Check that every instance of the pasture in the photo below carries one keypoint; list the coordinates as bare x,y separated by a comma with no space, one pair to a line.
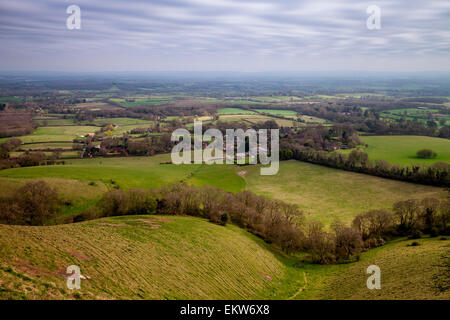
284,113
55,134
402,150
325,193
255,118
225,111
134,172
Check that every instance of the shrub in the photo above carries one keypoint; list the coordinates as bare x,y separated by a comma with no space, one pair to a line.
90,214
348,241
426,154
33,204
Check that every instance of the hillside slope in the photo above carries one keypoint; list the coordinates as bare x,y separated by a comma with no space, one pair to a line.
169,257
150,257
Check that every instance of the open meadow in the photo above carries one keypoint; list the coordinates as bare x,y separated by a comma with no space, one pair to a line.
402,149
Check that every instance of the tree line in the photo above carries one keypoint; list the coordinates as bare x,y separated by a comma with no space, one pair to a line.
437,174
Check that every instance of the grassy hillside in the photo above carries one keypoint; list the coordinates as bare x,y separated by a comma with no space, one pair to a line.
325,193
150,257
168,257
406,273
402,149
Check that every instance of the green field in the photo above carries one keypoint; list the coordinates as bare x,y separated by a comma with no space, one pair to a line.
325,193
50,121
402,149
66,154
55,134
141,101
43,146
254,118
285,113
135,172
224,111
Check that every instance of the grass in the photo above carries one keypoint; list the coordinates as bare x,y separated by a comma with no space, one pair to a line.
43,146
136,257
224,111
325,193
56,134
141,101
67,154
254,118
322,193
169,257
133,172
9,99
285,113
81,194
54,122
402,149
119,121
406,273
311,119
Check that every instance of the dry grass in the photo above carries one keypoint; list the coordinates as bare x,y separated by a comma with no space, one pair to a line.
126,257
406,273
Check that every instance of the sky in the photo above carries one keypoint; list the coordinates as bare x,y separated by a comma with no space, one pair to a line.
225,35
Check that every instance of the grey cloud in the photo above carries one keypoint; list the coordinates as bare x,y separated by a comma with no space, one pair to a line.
224,35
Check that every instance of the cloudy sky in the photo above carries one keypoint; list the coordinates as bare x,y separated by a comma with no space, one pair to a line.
225,35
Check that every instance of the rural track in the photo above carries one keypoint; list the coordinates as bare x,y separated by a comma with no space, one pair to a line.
302,288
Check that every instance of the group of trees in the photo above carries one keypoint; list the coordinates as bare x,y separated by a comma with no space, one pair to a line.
370,121
24,160
16,124
320,137
36,203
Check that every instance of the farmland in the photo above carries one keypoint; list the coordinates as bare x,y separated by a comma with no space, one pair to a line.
225,111
325,194
315,189
402,149
56,134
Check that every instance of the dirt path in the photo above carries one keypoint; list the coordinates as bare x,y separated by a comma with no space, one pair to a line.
302,288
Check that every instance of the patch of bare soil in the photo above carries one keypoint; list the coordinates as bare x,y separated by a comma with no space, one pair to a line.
242,173
112,224
26,267
151,223
79,255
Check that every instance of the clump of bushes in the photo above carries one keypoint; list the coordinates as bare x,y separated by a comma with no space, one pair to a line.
36,203
426,154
